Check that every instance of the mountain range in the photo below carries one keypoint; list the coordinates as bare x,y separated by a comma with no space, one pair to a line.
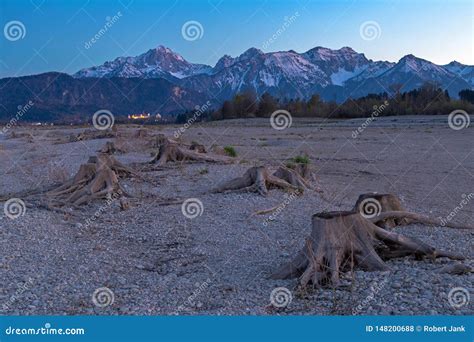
160,80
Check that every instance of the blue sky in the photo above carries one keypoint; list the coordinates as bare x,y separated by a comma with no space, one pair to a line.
57,31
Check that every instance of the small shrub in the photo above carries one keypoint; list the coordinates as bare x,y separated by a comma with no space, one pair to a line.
230,151
203,171
301,160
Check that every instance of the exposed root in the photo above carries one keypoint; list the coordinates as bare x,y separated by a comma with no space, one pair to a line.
266,211
197,147
27,135
256,179
298,175
415,218
111,148
372,204
456,269
340,241
90,134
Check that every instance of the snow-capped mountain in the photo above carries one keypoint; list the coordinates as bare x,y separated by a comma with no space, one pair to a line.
155,63
284,74
334,74
409,73
466,72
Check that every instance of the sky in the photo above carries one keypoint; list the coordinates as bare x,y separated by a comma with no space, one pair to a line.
53,35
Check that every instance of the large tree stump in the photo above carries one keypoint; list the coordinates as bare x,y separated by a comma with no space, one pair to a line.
170,151
256,179
98,178
341,241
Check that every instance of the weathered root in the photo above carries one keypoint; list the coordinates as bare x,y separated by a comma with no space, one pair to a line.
197,147
386,211
341,241
371,204
456,269
111,148
90,134
256,179
298,175
98,178
415,218
27,135
170,151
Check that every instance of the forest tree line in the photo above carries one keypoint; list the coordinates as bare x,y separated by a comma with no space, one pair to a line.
427,100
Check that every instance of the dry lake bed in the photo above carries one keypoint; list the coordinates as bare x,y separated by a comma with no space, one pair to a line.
152,260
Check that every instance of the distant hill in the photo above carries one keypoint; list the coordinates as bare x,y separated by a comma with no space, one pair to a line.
58,96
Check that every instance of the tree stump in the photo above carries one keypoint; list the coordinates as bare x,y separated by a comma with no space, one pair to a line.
256,179
170,151
98,178
141,133
341,241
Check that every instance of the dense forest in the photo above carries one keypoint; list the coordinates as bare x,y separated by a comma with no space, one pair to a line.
427,100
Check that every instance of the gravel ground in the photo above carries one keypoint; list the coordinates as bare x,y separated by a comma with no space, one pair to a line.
157,261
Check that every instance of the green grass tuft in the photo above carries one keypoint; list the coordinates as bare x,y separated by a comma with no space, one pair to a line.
230,151
301,160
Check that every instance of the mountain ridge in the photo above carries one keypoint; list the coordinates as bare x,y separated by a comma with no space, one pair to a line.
288,73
